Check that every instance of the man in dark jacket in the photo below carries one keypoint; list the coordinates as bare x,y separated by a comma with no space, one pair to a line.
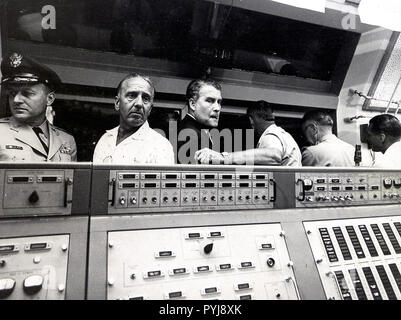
204,105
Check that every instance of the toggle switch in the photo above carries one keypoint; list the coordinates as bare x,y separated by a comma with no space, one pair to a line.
208,248
33,198
134,200
122,200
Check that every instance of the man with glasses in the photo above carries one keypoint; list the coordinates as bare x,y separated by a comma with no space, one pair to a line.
325,149
133,141
384,135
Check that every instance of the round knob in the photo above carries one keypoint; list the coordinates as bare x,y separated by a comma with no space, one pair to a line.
33,284
61,287
270,262
144,200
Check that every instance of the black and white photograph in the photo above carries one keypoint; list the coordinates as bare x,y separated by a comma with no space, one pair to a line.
183,151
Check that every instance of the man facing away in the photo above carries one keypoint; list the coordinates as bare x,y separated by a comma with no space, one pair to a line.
326,149
275,145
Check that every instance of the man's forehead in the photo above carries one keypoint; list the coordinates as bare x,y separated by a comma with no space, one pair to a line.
210,91
137,84
24,86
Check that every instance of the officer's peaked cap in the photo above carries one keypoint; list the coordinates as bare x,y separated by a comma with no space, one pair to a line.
19,69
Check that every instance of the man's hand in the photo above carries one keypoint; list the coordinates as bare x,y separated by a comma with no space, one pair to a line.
207,156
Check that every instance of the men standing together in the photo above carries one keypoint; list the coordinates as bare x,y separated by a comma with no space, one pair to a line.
29,136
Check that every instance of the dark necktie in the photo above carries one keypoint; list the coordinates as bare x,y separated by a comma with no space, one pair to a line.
39,131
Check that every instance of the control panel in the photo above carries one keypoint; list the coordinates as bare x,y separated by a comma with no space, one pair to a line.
358,259
202,263
138,191
33,268
36,191
331,189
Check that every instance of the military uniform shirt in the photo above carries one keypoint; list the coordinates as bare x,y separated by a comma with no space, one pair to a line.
145,146
19,143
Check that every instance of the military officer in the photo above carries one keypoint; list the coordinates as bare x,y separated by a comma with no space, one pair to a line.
27,135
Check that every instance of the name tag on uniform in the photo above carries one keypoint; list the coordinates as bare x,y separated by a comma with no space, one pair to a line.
65,150
9,146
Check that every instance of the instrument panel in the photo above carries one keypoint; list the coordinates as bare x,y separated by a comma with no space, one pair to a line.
243,262
358,259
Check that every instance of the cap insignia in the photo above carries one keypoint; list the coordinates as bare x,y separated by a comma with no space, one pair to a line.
15,60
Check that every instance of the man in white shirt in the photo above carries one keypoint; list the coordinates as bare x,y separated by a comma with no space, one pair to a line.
275,145
384,135
326,149
133,141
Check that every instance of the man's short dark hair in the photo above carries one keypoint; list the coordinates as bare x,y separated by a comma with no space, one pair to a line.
322,118
194,87
387,124
136,75
261,109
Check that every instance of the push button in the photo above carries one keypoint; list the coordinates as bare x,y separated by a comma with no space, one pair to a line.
6,287
33,284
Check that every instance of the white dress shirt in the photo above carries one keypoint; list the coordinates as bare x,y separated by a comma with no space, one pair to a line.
145,146
391,158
